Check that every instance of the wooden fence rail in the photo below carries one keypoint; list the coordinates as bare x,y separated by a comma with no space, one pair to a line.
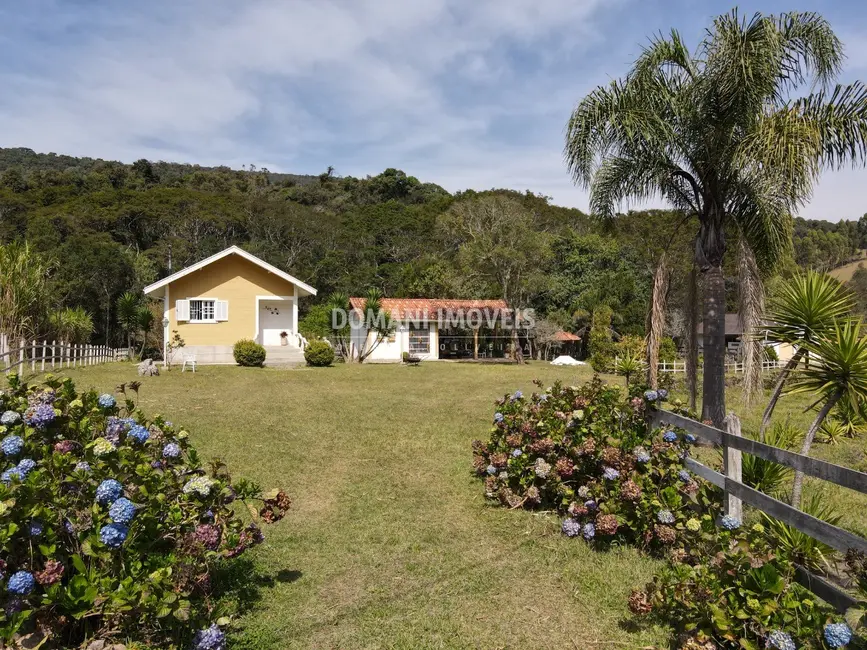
733,445
39,356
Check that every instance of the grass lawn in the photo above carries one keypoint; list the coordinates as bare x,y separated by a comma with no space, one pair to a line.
390,543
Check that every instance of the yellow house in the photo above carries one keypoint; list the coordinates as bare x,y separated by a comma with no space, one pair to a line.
230,296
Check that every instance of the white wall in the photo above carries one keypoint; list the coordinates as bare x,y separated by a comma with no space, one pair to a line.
392,351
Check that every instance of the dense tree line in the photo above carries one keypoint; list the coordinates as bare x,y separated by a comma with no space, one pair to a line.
107,228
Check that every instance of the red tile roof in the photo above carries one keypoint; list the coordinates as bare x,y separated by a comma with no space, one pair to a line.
566,337
429,308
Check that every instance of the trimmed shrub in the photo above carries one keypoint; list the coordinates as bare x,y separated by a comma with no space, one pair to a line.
249,353
319,354
110,525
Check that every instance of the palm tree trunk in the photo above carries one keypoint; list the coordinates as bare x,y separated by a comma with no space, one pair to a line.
778,390
692,337
656,321
713,389
798,484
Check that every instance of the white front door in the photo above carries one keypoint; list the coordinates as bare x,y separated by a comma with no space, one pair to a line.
275,316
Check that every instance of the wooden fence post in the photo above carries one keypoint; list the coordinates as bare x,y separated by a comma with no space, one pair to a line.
733,467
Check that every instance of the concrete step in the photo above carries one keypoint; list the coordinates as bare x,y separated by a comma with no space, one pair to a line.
281,355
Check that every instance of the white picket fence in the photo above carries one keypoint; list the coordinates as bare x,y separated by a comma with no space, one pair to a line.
44,355
735,367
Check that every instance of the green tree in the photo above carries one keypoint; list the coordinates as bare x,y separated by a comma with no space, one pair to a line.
128,315
498,242
72,325
716,134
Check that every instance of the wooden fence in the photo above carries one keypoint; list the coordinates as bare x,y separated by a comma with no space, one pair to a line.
733,445
45,355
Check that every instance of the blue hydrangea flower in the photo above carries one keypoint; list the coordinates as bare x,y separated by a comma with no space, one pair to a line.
36,528
21,583
113,535
25,466
108,492
498,417
139,433
172,450
12,445
641,455
83,466
651,395
665,516
518,395
684,476
590,505
689,438
669,436
490,469
211,638
68,526
571,527
106,401
662,394
780,641
589,531
730,523
39,416
517,453
837,634
9,474
610,474
9,418
122,511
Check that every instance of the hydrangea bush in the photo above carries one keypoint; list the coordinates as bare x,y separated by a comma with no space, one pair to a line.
733,590
587,453
110,526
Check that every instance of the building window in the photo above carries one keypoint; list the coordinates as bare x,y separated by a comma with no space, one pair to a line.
419,339
202,311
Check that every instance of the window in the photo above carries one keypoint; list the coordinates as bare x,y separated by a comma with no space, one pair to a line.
202,310
419,339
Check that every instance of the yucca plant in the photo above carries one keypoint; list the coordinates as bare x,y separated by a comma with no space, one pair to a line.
839,373
72,324
806,307
628,366
800,547
831,431
723,133
853,419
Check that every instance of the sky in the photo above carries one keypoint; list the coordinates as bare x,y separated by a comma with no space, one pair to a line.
465,94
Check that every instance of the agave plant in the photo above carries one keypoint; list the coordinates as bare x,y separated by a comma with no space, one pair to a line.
853,419
805,308
800,547
765,475
838,374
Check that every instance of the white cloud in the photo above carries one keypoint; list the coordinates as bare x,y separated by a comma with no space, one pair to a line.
466,94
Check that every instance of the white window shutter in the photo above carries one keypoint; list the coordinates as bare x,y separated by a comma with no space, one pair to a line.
182,310
222,310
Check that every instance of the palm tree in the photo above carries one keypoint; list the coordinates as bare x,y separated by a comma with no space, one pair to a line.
839,373
145,321
805,308
717,135
128,305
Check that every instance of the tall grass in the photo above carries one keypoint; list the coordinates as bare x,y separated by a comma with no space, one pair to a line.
23,291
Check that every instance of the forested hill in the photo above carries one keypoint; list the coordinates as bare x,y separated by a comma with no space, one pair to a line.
109,227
